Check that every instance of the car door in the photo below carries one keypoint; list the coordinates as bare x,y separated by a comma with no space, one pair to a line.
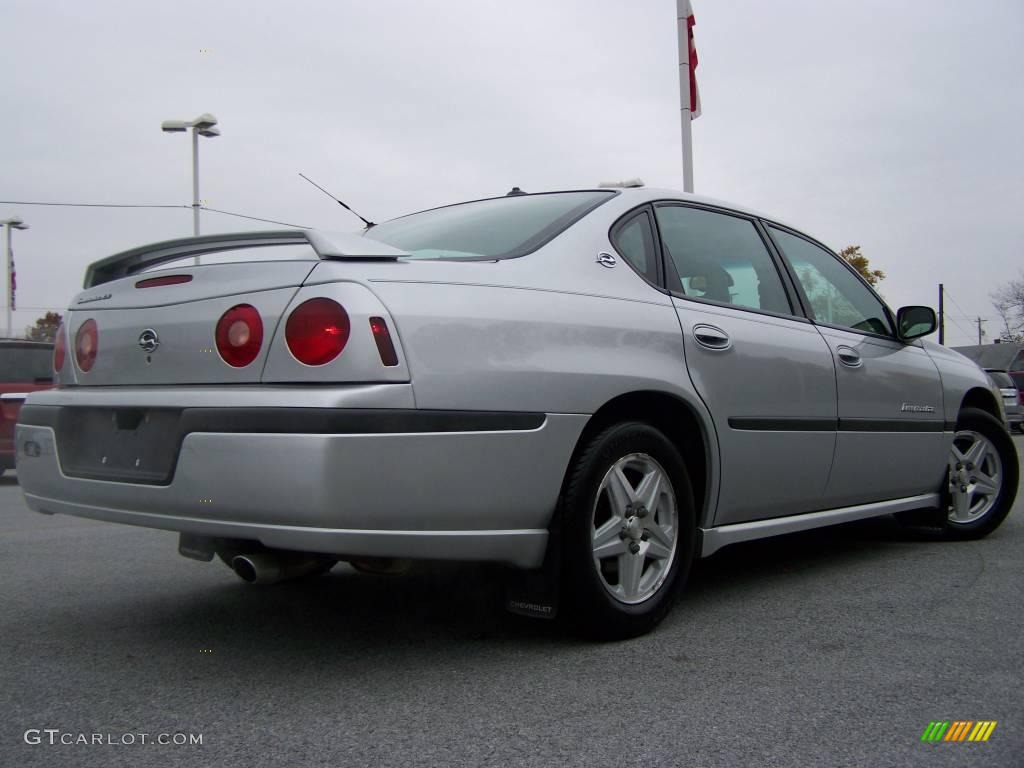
765,374
890,440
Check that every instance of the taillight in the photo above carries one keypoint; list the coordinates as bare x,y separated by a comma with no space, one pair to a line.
60,349
317,331
385,346
87,343
239,335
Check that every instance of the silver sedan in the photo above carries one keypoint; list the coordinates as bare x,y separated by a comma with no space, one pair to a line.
591,387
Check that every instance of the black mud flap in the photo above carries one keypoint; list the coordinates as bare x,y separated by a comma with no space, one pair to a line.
535,593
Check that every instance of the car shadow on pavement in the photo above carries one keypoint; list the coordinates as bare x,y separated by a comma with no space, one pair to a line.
822,550
436,606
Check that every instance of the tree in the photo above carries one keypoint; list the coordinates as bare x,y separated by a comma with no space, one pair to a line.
1009,303
45,328
851,255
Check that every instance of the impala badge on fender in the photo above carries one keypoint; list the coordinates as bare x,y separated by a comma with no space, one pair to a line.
908,408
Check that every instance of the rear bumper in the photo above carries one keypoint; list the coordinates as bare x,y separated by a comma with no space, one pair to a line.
439,485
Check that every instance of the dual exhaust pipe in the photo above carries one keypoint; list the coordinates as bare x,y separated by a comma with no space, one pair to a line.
273,567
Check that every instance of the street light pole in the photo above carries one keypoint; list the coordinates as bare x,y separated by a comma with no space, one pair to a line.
12,223
195,184
201,126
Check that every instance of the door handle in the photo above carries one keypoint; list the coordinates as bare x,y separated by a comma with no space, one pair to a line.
848,356
711,337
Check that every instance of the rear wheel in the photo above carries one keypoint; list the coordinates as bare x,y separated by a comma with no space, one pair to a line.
628,531
983,475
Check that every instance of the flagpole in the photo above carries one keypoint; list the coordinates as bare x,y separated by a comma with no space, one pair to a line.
7,264
685,118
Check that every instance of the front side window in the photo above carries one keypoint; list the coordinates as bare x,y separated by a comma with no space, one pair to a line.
836,296
500,228
721,258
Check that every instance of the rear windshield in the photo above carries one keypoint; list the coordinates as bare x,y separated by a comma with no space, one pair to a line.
1001,379
501,228
26,365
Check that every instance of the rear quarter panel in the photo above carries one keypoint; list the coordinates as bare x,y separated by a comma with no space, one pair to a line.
552,331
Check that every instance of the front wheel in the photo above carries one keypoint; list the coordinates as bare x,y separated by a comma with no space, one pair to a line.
628,531
983,475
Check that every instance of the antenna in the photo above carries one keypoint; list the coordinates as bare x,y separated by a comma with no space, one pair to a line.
367,222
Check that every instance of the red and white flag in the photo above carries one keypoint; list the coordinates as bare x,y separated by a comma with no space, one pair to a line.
694,92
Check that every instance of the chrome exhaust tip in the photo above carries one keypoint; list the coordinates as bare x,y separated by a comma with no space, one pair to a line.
273,567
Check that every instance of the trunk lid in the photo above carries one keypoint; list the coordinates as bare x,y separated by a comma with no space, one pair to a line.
183,317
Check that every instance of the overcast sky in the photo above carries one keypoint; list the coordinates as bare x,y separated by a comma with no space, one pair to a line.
895,126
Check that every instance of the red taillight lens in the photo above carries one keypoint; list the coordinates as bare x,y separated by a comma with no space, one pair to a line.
385,346
240,335
317,331
87,343
60,349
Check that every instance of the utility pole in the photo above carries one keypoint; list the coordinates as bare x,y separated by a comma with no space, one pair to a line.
942,318
981,333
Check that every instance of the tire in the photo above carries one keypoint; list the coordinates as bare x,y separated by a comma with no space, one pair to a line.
983,477
647,553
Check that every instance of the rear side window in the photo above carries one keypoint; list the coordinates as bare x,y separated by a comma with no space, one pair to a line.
634,240
721,258
26,365
501,228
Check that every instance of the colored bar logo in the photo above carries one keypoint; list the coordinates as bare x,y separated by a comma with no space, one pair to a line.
958,730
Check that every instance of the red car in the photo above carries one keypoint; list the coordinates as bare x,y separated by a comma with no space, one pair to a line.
25,366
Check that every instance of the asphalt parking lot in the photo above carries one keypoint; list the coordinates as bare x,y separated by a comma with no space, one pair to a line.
832,648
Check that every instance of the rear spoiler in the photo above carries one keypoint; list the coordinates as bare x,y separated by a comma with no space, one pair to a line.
327,245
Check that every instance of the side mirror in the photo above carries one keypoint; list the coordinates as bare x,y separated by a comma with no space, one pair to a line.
914,322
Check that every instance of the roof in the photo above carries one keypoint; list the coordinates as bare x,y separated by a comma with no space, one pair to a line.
997,356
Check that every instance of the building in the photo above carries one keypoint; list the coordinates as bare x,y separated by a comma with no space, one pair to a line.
1007,356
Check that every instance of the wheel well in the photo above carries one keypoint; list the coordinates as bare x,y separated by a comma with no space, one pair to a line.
982,399
670,415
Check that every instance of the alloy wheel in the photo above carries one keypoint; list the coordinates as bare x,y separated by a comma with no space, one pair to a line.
975,477
635,528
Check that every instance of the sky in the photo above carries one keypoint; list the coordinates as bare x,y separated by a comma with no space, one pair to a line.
893,126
